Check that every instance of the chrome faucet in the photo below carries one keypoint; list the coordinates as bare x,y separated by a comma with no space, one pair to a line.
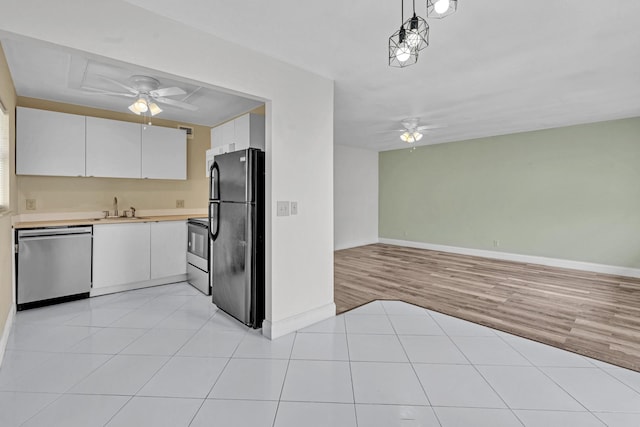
133,211
115,206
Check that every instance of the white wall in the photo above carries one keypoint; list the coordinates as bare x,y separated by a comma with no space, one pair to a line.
355,196
299,129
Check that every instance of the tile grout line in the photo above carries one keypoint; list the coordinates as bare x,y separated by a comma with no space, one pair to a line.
284,379
480,373
167,361
539,369
119,410
169,357
353,389
413,368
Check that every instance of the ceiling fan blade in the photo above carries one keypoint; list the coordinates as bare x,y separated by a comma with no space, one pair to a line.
427,127
175,103
122,85
96,91
167,91
391,130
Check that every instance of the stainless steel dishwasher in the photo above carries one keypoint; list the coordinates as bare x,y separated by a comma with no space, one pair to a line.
54,265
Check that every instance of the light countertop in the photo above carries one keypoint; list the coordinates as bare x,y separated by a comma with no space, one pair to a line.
100,221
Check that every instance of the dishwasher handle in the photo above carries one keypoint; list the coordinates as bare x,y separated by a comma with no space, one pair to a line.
52,237
39,232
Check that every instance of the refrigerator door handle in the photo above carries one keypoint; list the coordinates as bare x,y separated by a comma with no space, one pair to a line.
212,234
214,180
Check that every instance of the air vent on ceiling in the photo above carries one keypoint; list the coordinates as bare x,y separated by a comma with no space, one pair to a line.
188,129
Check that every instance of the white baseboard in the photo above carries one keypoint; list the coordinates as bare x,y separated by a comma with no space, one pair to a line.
137,285
273,330
354,244
6,331
531,259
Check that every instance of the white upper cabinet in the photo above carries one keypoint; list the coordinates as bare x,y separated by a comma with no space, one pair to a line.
228,132
217,139
164,153
250,131
239,134
49,143
168,248
60,144
113,148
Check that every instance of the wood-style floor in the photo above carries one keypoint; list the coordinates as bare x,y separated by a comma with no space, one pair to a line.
596,315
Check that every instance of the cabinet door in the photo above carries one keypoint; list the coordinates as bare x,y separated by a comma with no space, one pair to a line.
168,248
164,153
49,143
242,132
257,131
217,139
228,133
121,254
113,148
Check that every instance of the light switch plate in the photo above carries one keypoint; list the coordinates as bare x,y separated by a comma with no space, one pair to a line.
31,204
179,203
294,208
283,208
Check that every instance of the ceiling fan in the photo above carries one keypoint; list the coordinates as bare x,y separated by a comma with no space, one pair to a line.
147,91
411,131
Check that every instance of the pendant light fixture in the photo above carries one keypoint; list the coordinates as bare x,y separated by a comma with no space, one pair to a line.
441,8
401,52
413,35
417,31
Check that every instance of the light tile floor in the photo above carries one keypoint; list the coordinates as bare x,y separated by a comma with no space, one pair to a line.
165,356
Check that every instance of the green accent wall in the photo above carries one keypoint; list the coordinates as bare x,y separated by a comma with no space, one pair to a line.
569,193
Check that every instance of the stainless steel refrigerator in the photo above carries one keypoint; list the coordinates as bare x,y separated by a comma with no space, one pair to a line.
236,227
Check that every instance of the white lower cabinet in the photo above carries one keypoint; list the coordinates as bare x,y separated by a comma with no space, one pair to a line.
121,254
138,252
168,248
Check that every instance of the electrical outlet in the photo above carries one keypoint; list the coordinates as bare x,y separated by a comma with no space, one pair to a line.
31,204
496,243
179,203
294,208
283,208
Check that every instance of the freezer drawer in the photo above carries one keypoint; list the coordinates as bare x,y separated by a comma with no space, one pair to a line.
53,264
198,279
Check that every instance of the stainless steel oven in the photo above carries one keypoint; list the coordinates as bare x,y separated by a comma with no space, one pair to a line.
198,248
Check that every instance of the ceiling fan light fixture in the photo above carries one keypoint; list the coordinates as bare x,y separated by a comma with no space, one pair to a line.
154,109
411,137
441,8
139,106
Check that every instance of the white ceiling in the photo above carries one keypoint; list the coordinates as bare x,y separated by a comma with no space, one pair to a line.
494,67
44,71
